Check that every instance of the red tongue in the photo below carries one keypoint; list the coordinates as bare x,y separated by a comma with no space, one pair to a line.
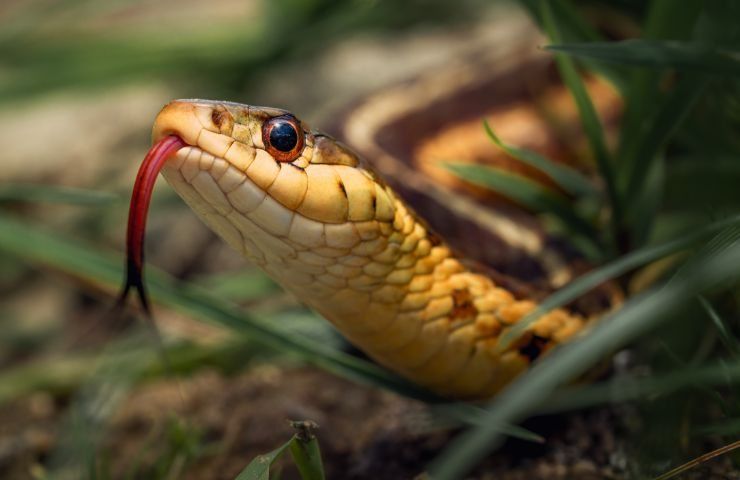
140,198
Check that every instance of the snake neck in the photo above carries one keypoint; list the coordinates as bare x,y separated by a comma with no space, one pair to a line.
412,305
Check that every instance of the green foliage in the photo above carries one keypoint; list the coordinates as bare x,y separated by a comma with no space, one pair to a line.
303,447
526,192
589,118
63,49
565,177
675,161
656,54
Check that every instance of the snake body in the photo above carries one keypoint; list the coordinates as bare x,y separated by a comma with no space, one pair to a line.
324,225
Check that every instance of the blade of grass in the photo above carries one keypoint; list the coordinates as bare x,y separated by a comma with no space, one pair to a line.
612,270
589,120
55,194
104,270
528,393
526,192
573,28
729,426
663,21
664,121
259,468
82,425
626,389
303,447
657,54
729,341
239,286
650,200
567,178
306,452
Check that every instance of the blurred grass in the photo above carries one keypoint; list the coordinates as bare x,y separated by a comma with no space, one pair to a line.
659,55
590,122
676,163
60,55
692,52
41,193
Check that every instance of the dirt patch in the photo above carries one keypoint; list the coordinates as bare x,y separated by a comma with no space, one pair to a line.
364,433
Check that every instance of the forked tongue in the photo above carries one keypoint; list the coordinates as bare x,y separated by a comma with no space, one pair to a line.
138,209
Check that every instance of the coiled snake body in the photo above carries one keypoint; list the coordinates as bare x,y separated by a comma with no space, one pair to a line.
320,221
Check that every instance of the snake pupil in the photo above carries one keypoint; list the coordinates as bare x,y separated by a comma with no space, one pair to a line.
283,136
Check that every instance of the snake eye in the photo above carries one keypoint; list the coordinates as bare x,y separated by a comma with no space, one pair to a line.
283,138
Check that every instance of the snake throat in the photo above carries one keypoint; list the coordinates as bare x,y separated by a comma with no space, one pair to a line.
138,209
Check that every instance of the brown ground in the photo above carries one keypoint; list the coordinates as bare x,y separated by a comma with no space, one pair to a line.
364,433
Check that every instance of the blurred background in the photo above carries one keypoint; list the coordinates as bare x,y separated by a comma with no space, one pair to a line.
85,392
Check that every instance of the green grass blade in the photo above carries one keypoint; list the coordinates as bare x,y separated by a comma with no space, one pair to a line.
589,119
612,270
306,452
574,28
626,389
530,194
307,457
471,414
63,375
259,468
656,54
567,178
646,95
650,200
729,341
660,127
239,286
639,314
730,426
55,194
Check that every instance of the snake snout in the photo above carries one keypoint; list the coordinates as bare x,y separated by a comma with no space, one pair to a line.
189,119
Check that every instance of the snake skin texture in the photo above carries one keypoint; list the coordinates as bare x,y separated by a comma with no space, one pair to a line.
329,230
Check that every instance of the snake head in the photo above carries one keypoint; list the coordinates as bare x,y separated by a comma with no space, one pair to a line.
267,184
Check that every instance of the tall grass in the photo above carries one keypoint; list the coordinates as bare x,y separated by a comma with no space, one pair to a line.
670,81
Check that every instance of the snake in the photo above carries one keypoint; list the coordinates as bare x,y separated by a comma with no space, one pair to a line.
322,221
